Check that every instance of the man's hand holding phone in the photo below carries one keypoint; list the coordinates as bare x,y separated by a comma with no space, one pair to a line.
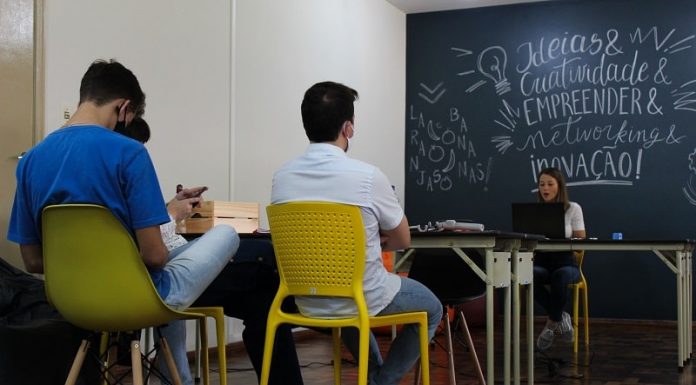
192,192
181,206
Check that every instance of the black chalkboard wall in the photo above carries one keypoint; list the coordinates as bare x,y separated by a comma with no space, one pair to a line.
603,90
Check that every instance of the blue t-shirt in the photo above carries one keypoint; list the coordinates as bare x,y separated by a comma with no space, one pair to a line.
88,164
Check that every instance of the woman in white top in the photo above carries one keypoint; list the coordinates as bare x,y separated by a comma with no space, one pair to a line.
557,269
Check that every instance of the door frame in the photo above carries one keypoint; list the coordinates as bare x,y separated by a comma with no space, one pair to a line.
39,83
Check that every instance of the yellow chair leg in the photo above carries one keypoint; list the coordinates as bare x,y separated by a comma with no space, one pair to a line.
221,347
424,345
336,338
576,300
268,351
586,314
363,354
205,357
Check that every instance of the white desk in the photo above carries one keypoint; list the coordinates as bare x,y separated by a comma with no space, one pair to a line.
675,254
497,249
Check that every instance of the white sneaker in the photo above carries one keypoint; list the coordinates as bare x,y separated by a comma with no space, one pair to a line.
546,337
567,332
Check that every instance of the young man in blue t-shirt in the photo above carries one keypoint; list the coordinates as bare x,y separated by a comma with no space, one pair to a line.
87,162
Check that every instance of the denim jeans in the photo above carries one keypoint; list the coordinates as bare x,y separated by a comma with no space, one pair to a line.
246,288
558,278
191,268
405,349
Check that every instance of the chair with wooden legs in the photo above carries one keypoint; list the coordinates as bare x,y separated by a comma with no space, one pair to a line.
97,280
453,283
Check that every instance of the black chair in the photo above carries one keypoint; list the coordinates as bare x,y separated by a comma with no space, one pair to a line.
454,283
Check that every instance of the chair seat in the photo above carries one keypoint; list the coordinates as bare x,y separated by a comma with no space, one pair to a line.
454,301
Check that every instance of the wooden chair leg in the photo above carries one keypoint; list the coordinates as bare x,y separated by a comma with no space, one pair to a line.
450,348
173,372
472,349
417,375
77,363
136,364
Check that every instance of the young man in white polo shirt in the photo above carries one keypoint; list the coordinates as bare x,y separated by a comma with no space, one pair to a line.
326,173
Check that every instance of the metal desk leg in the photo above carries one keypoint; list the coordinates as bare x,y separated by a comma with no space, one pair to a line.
680,310
689,302
506,336
490,341
530,333
500,277
523,275
516,319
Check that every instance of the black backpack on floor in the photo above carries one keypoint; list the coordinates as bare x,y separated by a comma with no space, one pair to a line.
36,345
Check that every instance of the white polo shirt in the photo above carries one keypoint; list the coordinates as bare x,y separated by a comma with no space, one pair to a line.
326,173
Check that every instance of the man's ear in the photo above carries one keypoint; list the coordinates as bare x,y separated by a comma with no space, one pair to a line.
121,110
347,129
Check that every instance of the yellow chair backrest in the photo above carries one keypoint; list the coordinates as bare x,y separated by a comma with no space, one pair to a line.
320,248
95,275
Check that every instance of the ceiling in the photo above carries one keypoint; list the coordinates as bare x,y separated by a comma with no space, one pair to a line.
416,6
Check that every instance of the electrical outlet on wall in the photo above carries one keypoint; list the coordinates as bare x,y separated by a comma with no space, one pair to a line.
67,112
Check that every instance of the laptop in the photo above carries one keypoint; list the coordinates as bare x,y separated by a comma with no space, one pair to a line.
539,218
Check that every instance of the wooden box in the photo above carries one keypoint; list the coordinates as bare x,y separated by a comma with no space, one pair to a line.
243,216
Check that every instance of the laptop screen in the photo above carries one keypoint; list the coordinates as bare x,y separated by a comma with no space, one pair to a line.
539,218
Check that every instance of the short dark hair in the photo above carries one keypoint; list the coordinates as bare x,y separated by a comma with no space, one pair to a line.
325,107
106,81
138,129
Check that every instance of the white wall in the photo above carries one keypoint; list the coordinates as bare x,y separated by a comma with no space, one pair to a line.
224,81
282,48
180,52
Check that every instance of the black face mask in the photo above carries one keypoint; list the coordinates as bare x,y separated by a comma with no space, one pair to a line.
120,127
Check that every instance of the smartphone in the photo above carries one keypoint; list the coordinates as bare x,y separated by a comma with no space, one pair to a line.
196,195
199,193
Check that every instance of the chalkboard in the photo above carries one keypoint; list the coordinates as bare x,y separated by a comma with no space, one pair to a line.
603,90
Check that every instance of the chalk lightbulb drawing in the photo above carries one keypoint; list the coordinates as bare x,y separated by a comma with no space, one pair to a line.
491,63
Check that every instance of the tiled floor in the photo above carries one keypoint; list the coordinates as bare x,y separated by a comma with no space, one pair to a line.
620,353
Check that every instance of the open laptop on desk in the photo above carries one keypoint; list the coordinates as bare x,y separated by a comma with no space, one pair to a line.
539,218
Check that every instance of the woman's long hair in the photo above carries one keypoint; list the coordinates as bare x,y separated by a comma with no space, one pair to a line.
562,195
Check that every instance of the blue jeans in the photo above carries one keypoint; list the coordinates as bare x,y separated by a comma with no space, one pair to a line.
558,278
191,268
405,349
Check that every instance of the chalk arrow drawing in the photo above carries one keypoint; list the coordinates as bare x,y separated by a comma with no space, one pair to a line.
434,93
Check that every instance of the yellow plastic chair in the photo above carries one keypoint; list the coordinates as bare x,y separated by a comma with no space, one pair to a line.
577,288
320,250
97,280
